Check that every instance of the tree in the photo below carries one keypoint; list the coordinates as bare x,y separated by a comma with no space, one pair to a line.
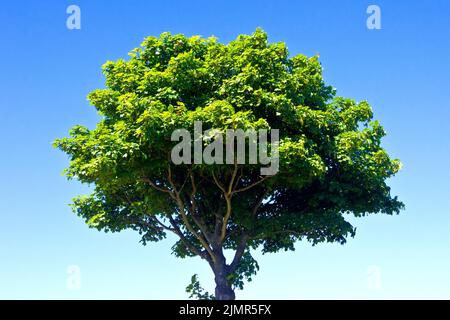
331,163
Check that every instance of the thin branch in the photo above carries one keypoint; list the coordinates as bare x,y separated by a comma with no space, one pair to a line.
151,183
252,185
185,180
161,224
238,179
218,183
184,217
233,176
186,241
142,223
175,195
228,196
259,202
169,177
198,220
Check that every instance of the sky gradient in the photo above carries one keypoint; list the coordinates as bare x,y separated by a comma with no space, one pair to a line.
403,70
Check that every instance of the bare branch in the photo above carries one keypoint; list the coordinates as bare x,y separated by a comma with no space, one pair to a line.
186,242
154,186
186,179
233,176
238,179
169,177
252,185
176,196
259,202
197,218
161,224
218,183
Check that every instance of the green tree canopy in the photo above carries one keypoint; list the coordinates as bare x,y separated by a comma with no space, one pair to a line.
331,160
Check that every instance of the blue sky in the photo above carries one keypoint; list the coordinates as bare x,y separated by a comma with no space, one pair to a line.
403,70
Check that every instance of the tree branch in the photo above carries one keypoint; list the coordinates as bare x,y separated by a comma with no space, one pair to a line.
160,223
153,185
239,253
227,194
218,183
259,202
198,220
252,185
184,217
225,219
187,243
233,176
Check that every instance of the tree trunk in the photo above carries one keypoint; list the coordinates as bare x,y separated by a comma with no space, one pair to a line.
223,291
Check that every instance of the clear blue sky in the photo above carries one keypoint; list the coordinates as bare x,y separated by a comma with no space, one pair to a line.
403,70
